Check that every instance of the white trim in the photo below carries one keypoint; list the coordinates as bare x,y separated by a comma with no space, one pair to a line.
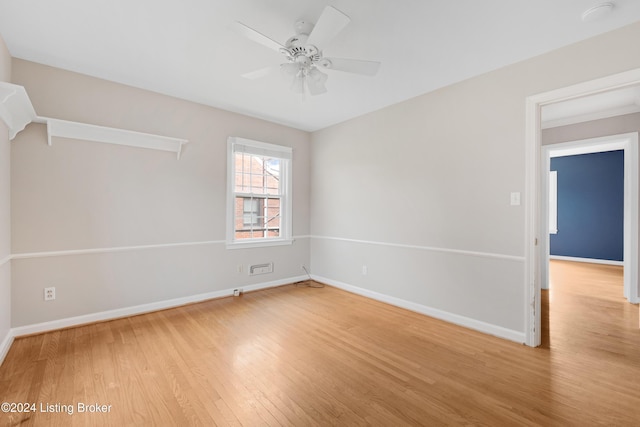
590,146
425,248
587,260
588,117
532,322
258,243
5,260
456,319
5,345
108,250
143,308
533,132
259,148
44,254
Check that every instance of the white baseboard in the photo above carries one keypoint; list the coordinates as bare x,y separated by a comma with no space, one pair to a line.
456,319
141,309
5,345
589,260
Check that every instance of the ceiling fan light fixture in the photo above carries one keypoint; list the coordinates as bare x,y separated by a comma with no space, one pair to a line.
316,80
297,85
290,69
317,76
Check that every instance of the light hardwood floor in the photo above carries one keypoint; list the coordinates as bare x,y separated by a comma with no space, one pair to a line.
302,356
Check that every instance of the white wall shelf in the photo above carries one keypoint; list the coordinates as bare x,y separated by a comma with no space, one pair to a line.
15,108
87,132
17,112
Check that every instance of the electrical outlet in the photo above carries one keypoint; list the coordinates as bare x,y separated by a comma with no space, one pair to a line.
239,268
49,294
365,270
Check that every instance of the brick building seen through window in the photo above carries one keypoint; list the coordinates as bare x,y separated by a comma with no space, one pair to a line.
257,196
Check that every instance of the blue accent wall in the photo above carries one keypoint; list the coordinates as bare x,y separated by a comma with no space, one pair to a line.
590,206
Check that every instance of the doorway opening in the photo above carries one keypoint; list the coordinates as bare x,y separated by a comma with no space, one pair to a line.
628,144
536,218
575,283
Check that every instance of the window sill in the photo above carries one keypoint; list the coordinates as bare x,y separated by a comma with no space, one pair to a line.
248,243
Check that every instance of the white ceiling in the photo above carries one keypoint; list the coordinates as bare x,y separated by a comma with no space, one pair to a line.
190,49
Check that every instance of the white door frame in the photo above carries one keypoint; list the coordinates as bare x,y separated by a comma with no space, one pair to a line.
533,218
628,142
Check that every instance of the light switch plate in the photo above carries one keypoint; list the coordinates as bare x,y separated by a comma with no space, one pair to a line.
515,198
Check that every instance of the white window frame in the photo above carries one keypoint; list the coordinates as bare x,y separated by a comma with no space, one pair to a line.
237,145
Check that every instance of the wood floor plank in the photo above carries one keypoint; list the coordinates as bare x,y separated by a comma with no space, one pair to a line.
321,356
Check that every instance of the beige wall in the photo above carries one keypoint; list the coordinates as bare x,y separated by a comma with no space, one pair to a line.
592,129
419,191
5,211
78,195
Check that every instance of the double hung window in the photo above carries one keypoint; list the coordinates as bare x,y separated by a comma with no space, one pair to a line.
259,193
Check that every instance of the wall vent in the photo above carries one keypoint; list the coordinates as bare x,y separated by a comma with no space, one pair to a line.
260,269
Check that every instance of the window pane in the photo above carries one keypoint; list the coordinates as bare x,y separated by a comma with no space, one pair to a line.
272,176
257,174
257,217
243,183
239,214
273,213
243,234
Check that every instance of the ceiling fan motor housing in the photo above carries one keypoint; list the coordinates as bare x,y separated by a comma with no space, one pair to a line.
303,27
297,49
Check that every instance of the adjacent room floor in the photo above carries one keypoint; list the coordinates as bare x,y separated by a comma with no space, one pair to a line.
305,356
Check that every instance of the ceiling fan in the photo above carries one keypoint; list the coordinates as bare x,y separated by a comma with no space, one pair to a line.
304,54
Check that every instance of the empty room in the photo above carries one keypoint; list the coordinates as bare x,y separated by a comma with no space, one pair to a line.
317,213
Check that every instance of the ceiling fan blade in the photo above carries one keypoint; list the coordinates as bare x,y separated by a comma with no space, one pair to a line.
330,23
367,68
256,74
258,37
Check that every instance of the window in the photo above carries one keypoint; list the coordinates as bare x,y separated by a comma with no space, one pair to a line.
259,193
553,202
